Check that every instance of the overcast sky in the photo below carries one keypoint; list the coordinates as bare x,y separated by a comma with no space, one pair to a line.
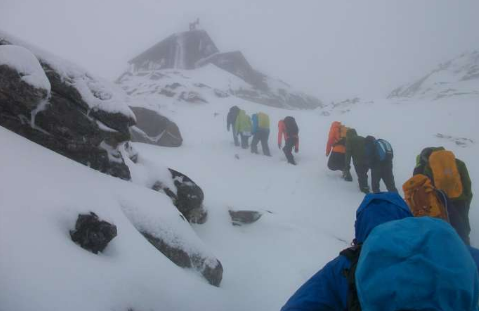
332,49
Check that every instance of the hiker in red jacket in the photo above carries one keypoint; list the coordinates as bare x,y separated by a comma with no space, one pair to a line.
289,129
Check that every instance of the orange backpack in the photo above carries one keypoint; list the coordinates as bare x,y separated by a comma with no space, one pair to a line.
423,199
445,173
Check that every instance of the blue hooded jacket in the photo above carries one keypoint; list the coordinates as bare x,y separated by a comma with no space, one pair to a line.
327,289
428,249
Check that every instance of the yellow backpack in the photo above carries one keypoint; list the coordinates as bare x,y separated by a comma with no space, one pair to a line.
445,173
423,199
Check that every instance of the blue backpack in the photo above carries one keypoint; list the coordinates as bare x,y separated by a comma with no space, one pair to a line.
413,264
384,150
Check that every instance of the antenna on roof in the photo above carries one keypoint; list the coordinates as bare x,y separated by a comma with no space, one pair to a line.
195,24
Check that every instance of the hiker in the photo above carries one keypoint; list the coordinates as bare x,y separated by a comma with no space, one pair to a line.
336,146
380,155
231,121
260,133
426,200
356,149
289,129
243,128
383,224
449,174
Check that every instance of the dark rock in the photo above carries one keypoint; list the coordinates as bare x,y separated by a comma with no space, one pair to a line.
154,129
239,218
93,234
213,273
188,197
63,122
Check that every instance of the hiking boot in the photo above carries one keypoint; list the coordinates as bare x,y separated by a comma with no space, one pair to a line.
364,190
347,176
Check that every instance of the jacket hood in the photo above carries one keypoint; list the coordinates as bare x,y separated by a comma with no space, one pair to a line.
377,209
351,133
335,124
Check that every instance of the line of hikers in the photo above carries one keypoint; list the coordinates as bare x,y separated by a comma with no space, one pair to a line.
258,126
407,254
440,186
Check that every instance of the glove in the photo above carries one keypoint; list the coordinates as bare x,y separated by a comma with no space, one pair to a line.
279,146
296,149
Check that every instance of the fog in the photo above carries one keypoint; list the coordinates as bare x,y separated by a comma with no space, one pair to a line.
331,49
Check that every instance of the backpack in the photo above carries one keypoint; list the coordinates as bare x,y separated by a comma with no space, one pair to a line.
291,126
445,174
402,266
384,150
424,199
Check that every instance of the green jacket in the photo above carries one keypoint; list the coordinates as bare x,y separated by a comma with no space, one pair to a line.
355,148
423,168
243,123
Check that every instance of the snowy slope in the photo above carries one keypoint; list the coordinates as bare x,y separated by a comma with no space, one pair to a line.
310,218
308,210
458,77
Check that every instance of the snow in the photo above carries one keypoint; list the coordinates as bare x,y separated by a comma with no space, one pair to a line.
98,93
310,219
26,64
457,77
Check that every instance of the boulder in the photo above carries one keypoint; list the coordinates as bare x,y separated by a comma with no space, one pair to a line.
155,129
93,234
188,197
62,120
239,218
211,269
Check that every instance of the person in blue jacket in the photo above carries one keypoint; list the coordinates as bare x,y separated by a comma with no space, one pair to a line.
260,133
327,290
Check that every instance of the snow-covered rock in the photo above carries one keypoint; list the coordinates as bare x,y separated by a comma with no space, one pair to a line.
457,77
62,107
153,128
186,195
26,64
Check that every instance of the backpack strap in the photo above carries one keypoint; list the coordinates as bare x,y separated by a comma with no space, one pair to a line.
352,254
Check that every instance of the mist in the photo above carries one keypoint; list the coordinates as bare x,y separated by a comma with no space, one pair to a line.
330,49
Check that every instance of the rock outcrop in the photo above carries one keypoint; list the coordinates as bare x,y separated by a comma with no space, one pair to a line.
80,117
155,129
188,197
211,269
